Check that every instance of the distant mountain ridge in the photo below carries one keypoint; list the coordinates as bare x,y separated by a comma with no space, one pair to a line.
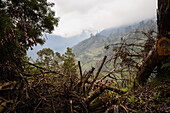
58,43
92,49
112,31
86,46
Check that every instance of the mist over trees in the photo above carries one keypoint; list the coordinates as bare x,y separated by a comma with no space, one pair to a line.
133,78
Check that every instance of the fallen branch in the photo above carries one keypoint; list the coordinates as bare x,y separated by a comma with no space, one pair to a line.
108,74
80,86
81,75
97,74
86,79
148,66
124,108
47,70
100,91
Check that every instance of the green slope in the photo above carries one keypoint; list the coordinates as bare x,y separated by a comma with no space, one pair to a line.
91,51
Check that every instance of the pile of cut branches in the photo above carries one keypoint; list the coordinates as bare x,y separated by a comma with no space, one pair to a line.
57,92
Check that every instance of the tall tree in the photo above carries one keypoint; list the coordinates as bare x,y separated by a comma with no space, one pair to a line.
163,18
65,62
69,66
22,22
45,57
160,52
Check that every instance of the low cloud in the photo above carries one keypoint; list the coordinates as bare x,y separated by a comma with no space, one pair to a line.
96,15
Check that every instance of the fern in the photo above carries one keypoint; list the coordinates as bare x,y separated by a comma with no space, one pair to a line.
166,65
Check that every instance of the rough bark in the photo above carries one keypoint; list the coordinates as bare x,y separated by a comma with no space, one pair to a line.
153,60
163,22
163,18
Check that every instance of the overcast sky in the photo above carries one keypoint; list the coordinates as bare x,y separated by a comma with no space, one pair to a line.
96,15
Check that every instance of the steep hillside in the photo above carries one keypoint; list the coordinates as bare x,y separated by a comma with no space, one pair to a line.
91,51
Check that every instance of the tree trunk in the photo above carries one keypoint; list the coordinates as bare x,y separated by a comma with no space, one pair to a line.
163,22
153,59
163,18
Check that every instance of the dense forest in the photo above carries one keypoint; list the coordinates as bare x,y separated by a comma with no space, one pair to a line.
125,71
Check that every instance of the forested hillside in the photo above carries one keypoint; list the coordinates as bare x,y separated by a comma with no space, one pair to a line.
92,50
127,68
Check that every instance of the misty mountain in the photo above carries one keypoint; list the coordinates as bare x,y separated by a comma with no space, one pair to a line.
91,50
58,43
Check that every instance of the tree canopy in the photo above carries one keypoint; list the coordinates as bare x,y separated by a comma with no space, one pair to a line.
55,61
22,23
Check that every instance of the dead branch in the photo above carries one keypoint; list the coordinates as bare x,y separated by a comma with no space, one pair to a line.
81,75
88,75
124,108
80,86
100,91
112,108
108,74
97,74
148,66
47,70
86,79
